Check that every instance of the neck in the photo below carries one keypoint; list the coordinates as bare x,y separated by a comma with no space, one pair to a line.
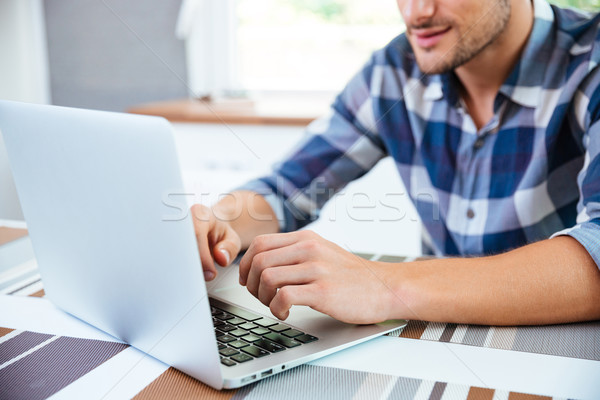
483,76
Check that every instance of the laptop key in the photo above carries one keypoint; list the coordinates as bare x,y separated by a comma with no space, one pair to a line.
227,328
282,340
260,331
238,344
279,328
237,311
248,326
236,321
251,338
306,338
265,322
238,332
255,351
241,357
224,316
222,346
292,333
228,362
228,352
268,345
218,333
226,339
217,322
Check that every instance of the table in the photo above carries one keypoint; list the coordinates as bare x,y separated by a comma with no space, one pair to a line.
45,353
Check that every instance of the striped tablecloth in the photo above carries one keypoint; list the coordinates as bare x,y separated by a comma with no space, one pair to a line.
35,365
569,340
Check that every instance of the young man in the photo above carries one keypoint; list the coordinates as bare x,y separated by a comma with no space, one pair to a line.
490,106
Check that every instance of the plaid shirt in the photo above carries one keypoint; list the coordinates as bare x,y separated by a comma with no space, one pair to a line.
532,172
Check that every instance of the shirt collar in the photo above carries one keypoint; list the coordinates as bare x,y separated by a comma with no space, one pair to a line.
434,90
525,82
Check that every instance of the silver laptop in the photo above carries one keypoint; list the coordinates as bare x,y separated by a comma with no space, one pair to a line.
96,190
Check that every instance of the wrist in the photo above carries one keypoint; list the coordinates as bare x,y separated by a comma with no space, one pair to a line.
401,296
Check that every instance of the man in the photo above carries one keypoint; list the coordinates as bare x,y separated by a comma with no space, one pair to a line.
492,107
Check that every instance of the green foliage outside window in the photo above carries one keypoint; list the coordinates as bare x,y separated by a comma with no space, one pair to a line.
341,11
326,9
588,5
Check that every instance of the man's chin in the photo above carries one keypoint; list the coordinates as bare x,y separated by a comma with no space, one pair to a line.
433,64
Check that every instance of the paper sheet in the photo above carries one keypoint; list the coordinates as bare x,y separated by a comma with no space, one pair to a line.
473,366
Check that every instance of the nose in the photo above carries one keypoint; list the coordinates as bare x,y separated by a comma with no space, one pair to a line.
415,12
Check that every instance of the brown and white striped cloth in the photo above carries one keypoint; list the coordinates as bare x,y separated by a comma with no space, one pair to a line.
34,366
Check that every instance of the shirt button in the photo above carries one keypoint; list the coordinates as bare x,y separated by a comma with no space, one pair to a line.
478,143
470,213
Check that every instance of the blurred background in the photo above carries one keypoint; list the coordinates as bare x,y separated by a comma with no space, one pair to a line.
267,67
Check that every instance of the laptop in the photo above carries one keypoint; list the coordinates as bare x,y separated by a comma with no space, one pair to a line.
99,194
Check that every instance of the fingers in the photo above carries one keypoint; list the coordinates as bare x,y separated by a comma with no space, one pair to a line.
261,244
228,248
201,219
205,256
275,278
215,239
264,243
293,254
287,296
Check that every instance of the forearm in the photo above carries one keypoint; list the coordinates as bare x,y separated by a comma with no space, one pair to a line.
552,281
248,213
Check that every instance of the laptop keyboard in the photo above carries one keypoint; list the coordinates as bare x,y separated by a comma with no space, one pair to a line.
243,335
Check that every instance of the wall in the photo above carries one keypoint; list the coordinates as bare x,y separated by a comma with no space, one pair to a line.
23,76
110,54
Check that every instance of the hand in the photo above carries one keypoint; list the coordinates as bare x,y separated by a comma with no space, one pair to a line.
302,268
217,240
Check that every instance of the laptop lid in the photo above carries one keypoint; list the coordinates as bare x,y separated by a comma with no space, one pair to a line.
93,187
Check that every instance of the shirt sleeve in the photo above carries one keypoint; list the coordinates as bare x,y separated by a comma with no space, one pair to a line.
587,229
337,148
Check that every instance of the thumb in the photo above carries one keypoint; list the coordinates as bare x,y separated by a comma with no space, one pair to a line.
227,249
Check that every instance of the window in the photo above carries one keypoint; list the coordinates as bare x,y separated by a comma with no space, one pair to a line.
288,46
282,45
314,45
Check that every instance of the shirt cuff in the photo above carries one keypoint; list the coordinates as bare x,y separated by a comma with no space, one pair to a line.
588,234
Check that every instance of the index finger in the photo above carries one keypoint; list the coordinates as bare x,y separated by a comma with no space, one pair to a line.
203,224
288,296
206,259
261,244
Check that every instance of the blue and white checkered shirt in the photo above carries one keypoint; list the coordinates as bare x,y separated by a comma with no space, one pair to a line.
532,172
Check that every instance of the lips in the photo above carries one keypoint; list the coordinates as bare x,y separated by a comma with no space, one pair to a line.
427,38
